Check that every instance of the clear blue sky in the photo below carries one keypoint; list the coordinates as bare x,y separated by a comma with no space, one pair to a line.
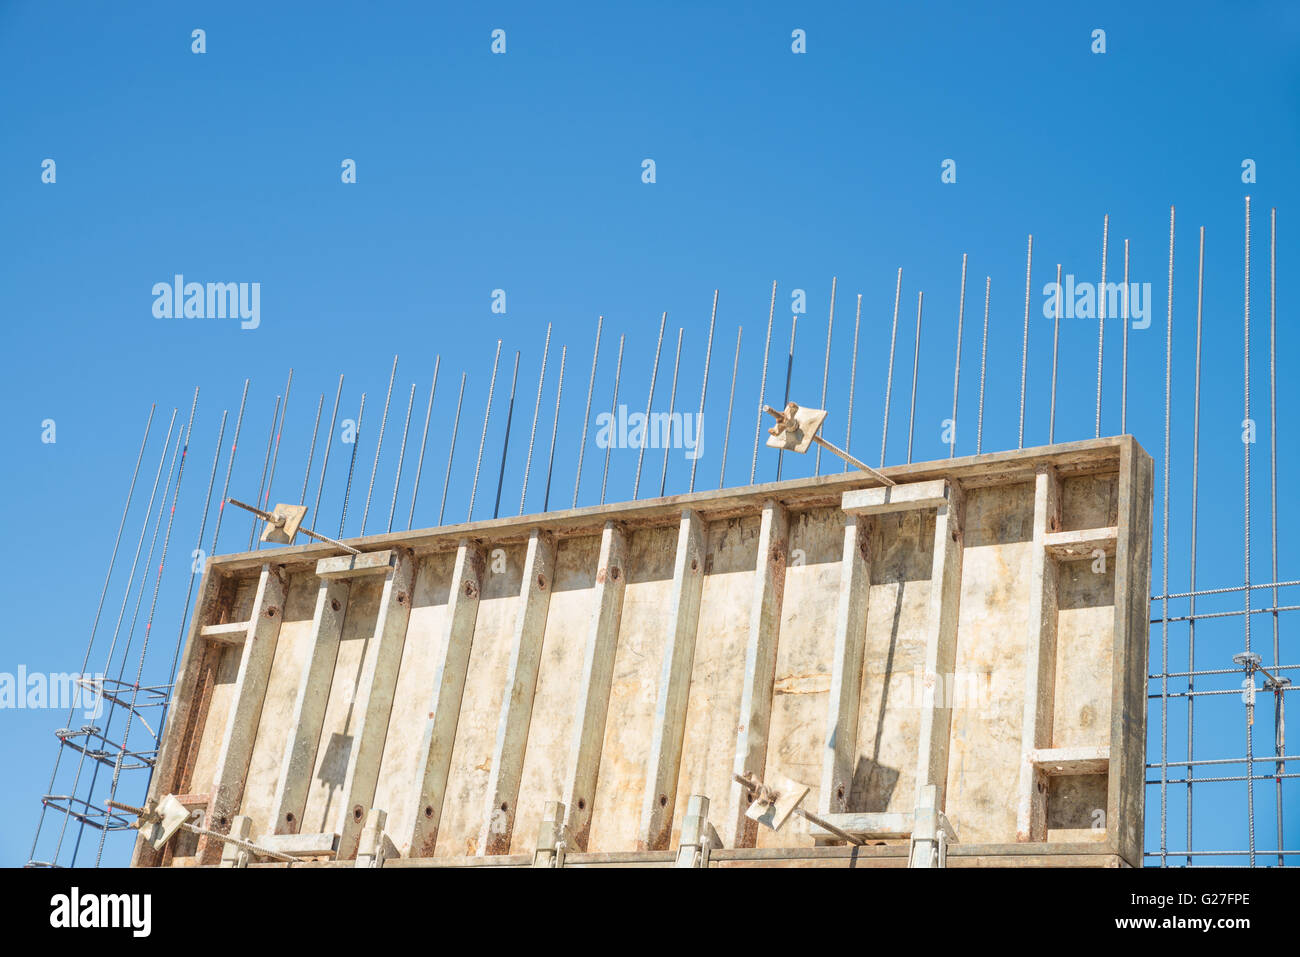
523,172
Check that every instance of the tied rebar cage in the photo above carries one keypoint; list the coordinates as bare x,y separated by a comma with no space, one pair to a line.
1217,699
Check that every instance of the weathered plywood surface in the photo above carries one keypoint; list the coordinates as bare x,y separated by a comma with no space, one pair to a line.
547,758
424,637
489,657
605,668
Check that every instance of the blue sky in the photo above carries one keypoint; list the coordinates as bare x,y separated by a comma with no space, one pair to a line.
523,172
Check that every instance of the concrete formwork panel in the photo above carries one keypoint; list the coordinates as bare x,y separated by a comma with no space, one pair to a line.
973,635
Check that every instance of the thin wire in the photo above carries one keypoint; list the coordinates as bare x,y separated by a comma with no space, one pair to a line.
916,362
311,450
455,428
555,425
325,459
424,440
731,402
1196,471
487,414
401,457
586,416
649,402
537,407
379,445
704,389
352,463
1024,344
672,405
889,377
230,465
956,373
1101,312
853,381
984,352
826,368
762,388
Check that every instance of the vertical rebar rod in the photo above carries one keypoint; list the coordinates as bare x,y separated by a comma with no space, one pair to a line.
1123,376
984,354
487,415
505,442
889,376
1101,313
826,369
916,362
451,452
230,465
853,381
789,371
379,446
704,391
352,463
117,541
649,402
1164,566
672,406
279,433
956,372
1024,342
762,388
401,457
148,628
424,441
1196,472
537,408
1056,342
613,425
325,458
586,415
266,462
1250,734
555,426
731,402
1279,767
311,450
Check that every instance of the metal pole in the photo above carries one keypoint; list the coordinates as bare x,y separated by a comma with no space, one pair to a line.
1056,341
424,440
889,378
704,390
311,450
505,443
1196,470
455,428
916,361
956,372
487,414
230,465
586,415
401,457
379,445
826,367
1101,313
731,402
1024,345
537,407
618,375
789,369
762,389
1278,718
672,405
555,425
1123,400
1250,748
984,353
1164,565
649,402
352,463
266,462
325,459
853,378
